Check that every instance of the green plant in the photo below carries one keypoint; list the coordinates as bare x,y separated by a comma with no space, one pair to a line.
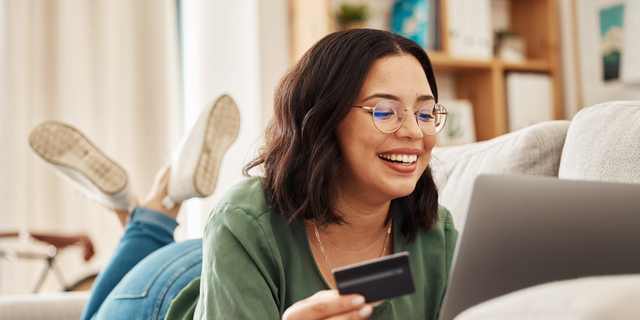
504,34
348,13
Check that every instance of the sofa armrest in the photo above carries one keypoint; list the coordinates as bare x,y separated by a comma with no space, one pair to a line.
603,144
50,306
534,150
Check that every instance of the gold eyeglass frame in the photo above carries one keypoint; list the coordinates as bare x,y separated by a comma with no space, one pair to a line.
443,112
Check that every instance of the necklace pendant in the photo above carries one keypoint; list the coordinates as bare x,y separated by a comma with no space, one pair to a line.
324,254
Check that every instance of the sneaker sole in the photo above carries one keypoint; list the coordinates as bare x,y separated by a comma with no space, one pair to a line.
222,130
65,146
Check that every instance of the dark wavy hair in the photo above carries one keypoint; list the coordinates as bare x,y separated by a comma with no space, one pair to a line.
301,158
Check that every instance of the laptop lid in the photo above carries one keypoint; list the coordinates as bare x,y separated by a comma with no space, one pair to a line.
522,231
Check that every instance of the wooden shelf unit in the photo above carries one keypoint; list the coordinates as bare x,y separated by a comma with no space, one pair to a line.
480,81
483,82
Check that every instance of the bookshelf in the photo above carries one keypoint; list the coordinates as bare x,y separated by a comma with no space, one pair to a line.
482,81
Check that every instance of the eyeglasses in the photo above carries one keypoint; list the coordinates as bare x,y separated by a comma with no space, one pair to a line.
389,115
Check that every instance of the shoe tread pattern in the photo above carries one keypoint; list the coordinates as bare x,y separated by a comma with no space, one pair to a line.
63,145
222,130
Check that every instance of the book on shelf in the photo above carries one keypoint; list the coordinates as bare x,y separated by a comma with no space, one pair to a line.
469,29
416,20
529,99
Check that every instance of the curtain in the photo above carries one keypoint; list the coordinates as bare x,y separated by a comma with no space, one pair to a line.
110,68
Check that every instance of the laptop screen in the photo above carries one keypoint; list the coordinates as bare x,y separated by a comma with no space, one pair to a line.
522,231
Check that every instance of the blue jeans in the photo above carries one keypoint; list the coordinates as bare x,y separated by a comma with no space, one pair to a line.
146,272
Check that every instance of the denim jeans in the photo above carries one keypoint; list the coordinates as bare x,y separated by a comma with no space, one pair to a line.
147,270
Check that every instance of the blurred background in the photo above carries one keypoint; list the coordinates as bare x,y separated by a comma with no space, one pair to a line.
133,76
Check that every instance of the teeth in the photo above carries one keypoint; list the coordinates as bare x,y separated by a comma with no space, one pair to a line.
399,157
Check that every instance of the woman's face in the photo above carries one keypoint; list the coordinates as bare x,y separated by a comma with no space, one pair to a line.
368,173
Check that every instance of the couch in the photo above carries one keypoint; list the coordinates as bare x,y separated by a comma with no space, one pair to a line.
601,142
50,306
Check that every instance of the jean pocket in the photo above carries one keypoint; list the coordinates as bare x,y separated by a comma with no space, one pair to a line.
158,271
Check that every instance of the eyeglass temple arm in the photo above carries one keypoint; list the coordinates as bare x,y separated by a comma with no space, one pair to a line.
366,108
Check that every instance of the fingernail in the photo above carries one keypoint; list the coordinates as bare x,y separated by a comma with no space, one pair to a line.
359,300
365,311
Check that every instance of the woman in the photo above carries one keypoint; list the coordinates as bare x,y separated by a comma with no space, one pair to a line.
345,179
335,183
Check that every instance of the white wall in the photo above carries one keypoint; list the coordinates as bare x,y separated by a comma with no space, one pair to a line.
237,47
274,49
3,187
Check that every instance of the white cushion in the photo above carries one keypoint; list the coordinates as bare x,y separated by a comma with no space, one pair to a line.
51,306
591,298
603,143
534,150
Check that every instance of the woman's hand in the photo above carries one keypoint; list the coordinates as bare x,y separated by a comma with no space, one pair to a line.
329,305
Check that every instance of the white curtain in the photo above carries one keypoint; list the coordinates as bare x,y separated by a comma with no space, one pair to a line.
107,67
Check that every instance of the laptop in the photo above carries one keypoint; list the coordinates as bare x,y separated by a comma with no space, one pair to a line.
523,231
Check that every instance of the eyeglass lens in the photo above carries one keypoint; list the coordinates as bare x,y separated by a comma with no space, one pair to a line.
388,117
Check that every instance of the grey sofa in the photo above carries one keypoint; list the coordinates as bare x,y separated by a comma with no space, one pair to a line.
50,306
601,142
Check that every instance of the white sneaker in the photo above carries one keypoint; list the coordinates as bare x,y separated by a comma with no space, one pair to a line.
196,162
78,161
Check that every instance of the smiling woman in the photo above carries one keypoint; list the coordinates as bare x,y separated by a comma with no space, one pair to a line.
368,176
336,190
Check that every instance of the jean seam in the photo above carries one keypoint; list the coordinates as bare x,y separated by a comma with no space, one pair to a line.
178,274
145,292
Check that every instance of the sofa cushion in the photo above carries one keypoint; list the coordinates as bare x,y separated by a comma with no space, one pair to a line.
602,297
603,143
50,306
534,150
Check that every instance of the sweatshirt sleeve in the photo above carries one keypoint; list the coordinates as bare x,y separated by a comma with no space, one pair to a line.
239,274
451,236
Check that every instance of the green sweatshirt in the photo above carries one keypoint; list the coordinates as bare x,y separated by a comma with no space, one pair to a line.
255,266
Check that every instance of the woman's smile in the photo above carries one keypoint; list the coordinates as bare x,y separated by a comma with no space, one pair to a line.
401,160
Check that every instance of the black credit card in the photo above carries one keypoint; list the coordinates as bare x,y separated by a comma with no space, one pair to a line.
377,279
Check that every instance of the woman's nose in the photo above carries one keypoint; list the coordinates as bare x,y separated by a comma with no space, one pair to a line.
410,127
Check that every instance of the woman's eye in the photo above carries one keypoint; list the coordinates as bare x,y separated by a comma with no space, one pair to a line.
425,117
382,115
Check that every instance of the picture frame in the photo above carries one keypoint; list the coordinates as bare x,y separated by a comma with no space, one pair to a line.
608,50
459,128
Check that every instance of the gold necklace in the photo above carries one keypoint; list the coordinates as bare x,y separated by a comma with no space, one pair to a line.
326,260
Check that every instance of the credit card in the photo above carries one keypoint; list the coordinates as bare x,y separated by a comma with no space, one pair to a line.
378,279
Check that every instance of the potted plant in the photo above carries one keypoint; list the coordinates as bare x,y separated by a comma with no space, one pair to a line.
509,45
351,16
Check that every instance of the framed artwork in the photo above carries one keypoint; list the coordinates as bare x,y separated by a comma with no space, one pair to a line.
459,128
608,50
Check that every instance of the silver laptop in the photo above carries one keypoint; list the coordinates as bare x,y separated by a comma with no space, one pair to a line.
523,231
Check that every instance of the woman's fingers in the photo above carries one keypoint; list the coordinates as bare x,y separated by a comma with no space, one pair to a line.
362,313
329,304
